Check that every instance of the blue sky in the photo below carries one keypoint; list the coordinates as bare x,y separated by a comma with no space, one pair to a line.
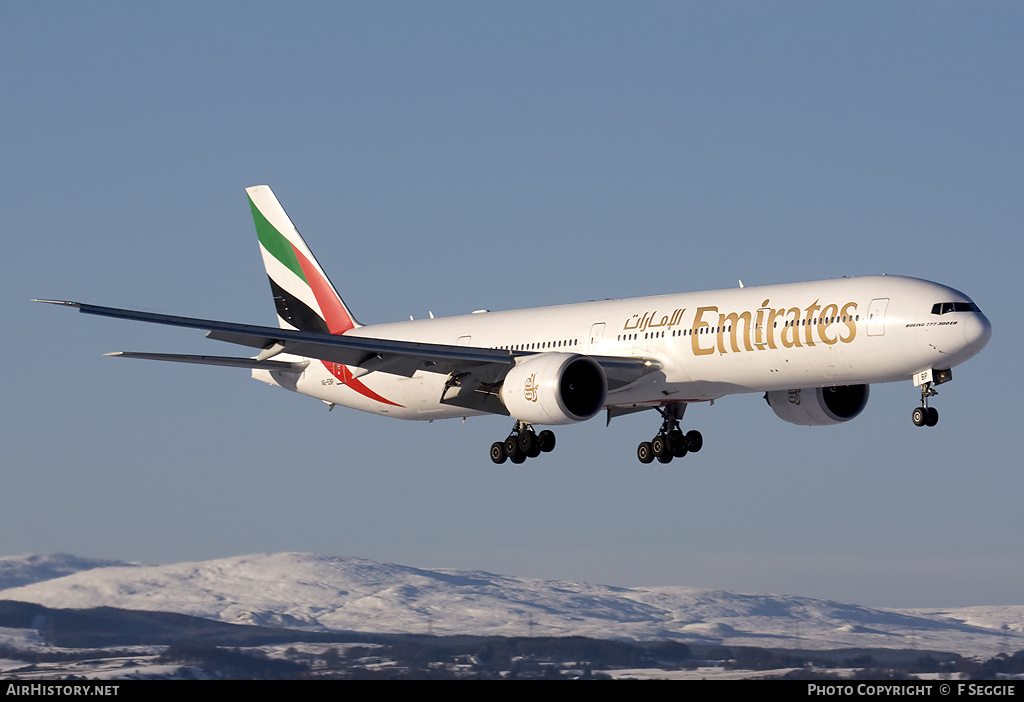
447,157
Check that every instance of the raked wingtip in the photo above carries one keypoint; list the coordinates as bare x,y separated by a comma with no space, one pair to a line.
65,303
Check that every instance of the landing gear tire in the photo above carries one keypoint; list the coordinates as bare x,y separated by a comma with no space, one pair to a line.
678,444
644,452
925,416
527,442
547,440
694,440
498,454
659,446
920,416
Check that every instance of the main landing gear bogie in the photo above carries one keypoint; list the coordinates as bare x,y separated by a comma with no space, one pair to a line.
670,441
665,447
522,443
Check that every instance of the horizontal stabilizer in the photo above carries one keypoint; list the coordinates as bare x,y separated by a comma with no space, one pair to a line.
288,366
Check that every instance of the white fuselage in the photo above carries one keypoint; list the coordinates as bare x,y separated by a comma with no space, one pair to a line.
776,337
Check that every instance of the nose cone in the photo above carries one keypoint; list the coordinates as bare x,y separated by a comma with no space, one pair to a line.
977,330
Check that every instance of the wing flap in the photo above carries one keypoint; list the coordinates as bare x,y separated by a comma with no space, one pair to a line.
624,370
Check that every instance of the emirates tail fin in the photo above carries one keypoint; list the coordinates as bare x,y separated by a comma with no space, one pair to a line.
303,295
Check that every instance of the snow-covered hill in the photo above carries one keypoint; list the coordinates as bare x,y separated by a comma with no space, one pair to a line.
25,570
302,590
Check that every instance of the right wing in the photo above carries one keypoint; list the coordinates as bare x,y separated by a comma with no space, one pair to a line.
231,361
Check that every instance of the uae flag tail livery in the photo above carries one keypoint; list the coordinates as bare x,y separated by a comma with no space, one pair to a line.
303,294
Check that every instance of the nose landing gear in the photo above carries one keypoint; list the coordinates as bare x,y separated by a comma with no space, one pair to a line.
925,416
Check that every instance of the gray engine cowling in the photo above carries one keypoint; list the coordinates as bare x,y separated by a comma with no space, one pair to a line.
818,406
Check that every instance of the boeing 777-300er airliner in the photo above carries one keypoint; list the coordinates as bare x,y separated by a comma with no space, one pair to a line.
811,348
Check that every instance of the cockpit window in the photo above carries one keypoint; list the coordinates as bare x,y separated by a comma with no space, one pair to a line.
944,307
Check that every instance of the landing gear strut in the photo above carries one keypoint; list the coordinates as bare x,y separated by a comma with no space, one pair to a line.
670,442
925,416
522,443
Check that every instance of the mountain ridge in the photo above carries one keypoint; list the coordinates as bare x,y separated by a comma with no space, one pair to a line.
330,593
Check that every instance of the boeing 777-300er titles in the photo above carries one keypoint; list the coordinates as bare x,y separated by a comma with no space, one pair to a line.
811,348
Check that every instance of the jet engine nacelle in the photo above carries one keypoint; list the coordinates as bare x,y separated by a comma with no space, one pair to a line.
819,406
554,388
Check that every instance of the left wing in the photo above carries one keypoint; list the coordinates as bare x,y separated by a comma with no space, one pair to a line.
368,354
485,366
